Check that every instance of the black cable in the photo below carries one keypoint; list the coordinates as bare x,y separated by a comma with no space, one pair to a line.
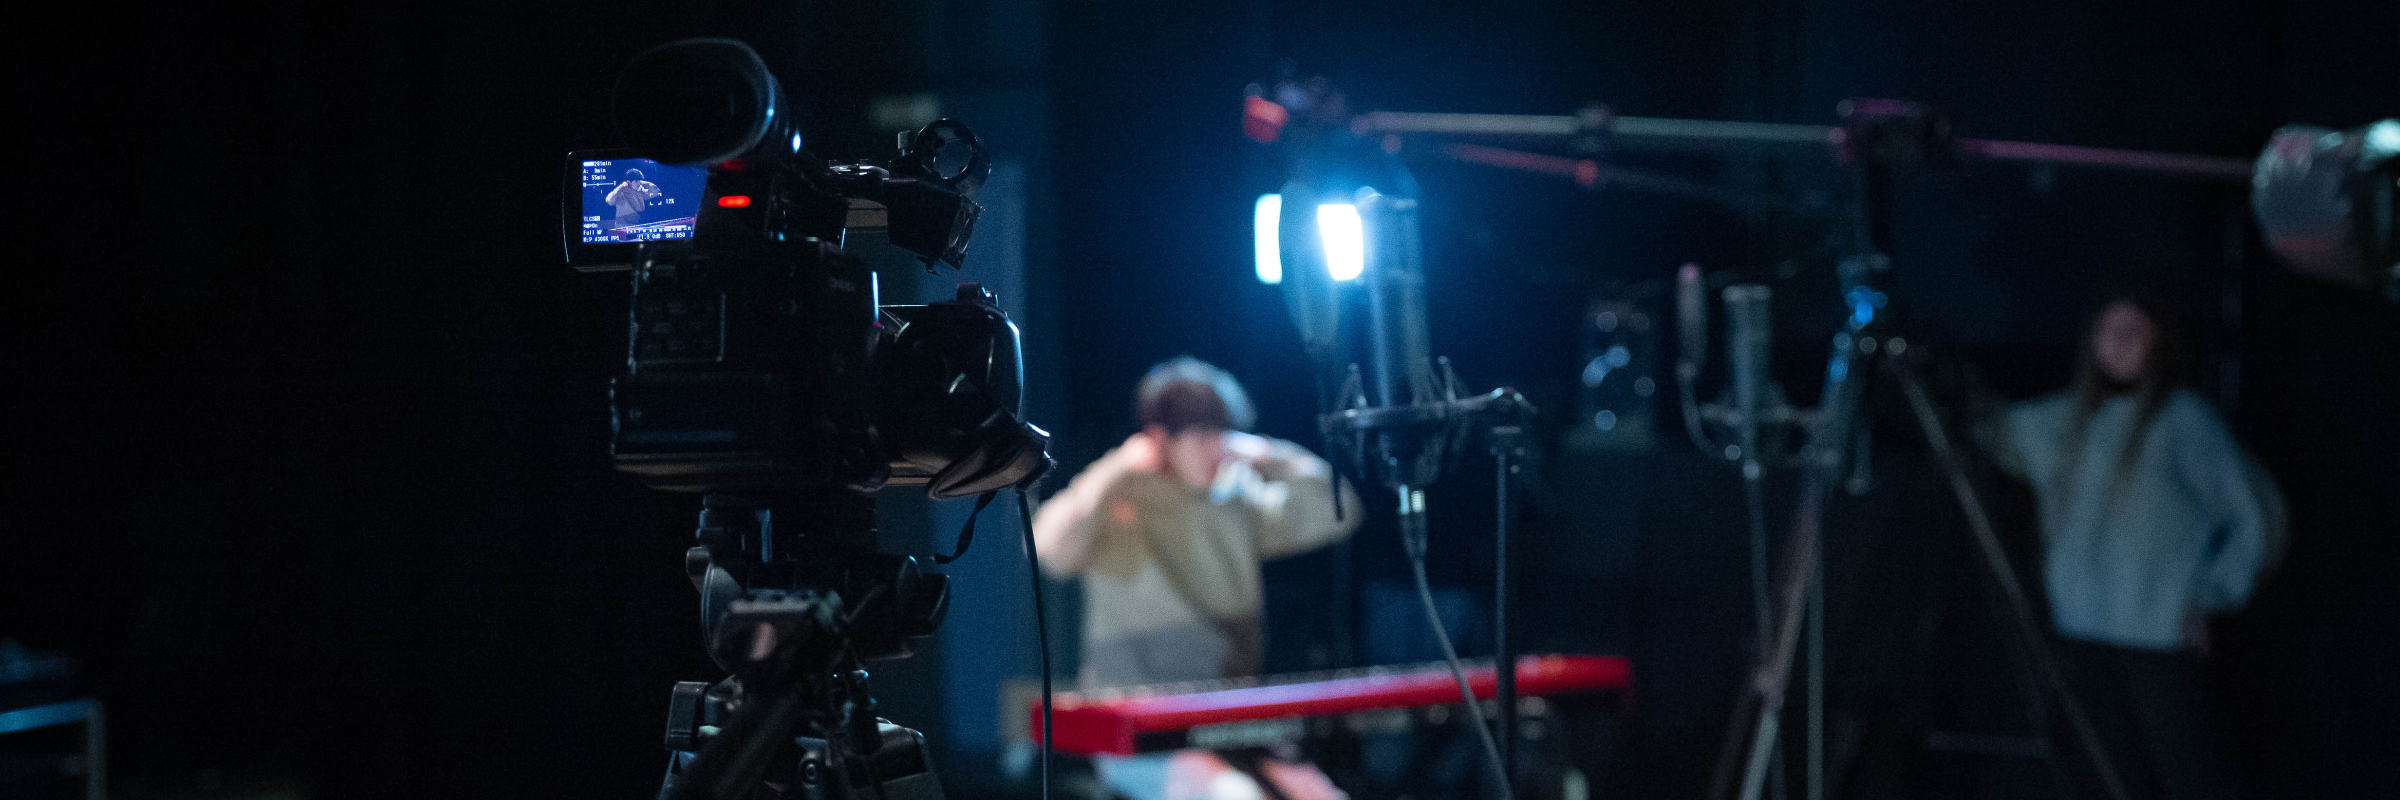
1412,538
1041,631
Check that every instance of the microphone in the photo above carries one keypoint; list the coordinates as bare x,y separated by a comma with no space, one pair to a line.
1749,354
1400,351
1400,355
1691,318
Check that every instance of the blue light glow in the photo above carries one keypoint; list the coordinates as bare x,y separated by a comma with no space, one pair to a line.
1345,239
1863,302
1265,224
2384,136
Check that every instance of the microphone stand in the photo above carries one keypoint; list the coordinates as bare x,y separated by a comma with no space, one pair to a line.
1406,437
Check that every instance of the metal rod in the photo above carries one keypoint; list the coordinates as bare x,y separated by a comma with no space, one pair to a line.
1595,175
2218,167
1504,691
1696,134
1660,131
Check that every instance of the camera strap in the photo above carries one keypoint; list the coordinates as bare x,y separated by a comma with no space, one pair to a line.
966,535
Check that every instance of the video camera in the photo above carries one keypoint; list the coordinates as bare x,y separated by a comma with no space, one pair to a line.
760,357
763,371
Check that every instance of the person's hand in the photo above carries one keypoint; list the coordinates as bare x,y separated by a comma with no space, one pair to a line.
1249,447
1140,453
1259,452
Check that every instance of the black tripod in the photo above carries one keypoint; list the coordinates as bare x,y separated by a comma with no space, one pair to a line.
794,600
1743,763
1883,136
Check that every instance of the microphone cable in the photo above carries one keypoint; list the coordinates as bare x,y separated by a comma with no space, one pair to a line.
1412,538
1041,630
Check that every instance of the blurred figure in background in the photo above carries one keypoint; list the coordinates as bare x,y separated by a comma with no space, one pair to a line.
2152,520
1168,531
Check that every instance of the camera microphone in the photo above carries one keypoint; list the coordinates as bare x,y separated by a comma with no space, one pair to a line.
1749,353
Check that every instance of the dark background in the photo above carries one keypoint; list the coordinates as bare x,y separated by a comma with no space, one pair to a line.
306,455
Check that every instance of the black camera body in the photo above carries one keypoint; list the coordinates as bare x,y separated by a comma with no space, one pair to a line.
772,367
751,368
759,352
764,372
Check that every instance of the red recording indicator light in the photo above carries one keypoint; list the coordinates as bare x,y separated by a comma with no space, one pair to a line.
733,201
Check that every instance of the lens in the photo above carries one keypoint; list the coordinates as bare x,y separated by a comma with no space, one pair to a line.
696,101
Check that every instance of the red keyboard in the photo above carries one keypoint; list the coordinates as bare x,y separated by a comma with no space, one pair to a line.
1232,714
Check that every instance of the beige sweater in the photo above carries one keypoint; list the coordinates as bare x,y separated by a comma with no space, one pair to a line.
1171,571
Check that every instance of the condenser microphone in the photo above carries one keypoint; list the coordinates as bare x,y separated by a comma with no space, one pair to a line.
1400,351
1691,319
1749,352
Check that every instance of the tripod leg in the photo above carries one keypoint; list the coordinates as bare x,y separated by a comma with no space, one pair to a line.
1750,742
1816,684
1762,608
1995,560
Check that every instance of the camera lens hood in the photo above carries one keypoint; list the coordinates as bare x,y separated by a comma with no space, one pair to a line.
697,101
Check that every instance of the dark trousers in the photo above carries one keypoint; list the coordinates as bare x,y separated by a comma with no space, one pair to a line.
2150,711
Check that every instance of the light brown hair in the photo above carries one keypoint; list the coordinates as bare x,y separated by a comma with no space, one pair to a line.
1187,393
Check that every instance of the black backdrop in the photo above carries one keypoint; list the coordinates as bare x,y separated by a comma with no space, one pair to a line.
305,456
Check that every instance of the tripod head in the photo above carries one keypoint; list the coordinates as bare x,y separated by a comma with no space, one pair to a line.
793,612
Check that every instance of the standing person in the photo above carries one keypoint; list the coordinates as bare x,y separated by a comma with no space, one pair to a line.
1168,531
2152,520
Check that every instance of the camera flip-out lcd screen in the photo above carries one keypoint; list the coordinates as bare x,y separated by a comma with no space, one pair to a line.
616,201
639,200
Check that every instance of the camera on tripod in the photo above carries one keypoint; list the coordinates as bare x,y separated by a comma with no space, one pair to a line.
763,372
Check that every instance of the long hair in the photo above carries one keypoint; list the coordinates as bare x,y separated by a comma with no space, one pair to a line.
2171,364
